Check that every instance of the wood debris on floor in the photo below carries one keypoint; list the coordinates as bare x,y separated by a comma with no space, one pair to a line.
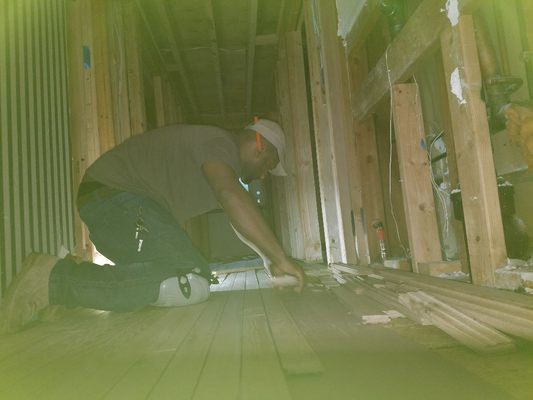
476,316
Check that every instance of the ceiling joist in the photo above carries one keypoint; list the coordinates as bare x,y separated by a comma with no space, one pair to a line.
162,16
154,42
251,55
215,53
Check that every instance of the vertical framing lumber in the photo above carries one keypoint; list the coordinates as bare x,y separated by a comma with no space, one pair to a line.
372,195
173,113
431,80
417,192
119,79
289,182
250,56
416,39
326,61
212,30
301,137
481,205
281,216
83,110
102,76
159,101
134,69
367,202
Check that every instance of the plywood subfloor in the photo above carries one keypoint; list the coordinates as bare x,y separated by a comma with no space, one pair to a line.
224,349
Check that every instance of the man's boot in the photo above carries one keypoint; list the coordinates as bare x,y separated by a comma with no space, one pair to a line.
27,295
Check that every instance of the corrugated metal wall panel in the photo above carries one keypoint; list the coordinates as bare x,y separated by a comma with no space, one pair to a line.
36,182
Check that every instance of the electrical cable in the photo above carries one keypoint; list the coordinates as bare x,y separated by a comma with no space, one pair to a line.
439,192
404,248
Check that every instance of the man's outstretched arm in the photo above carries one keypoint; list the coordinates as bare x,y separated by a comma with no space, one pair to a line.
246,217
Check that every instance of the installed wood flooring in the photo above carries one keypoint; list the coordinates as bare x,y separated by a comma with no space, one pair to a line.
247,342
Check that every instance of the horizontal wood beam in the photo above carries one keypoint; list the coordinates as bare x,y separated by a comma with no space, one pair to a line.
362,25
156,47
418,37
162,16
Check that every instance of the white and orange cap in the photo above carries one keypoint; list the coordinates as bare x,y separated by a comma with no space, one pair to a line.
272,132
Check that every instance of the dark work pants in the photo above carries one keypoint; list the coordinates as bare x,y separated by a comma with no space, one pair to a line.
135,279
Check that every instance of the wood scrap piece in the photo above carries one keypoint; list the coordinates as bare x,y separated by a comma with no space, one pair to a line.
350,269
375,319
338,277
261,373
466,330
296,355
383,297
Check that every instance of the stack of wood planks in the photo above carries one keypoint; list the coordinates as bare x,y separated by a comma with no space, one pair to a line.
478,317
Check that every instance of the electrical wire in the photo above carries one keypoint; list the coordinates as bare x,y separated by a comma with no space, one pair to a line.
439,192
404,248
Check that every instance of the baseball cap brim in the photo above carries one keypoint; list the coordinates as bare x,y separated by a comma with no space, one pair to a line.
268,134
278,170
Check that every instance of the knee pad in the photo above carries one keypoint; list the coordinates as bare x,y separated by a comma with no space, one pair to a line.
182,290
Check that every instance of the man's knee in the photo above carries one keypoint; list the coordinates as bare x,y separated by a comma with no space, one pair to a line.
182,290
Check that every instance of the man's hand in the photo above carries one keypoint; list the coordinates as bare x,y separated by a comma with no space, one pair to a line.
247,220
287,267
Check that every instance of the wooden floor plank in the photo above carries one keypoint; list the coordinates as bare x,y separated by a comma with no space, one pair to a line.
262,375
179,379
87,360
295,354
240,281
51,342
221,374
263,279
140,378
251,280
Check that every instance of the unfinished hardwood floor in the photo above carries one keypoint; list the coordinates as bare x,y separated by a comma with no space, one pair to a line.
248,341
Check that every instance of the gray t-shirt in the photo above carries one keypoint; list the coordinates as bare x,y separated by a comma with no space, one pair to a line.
165,164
